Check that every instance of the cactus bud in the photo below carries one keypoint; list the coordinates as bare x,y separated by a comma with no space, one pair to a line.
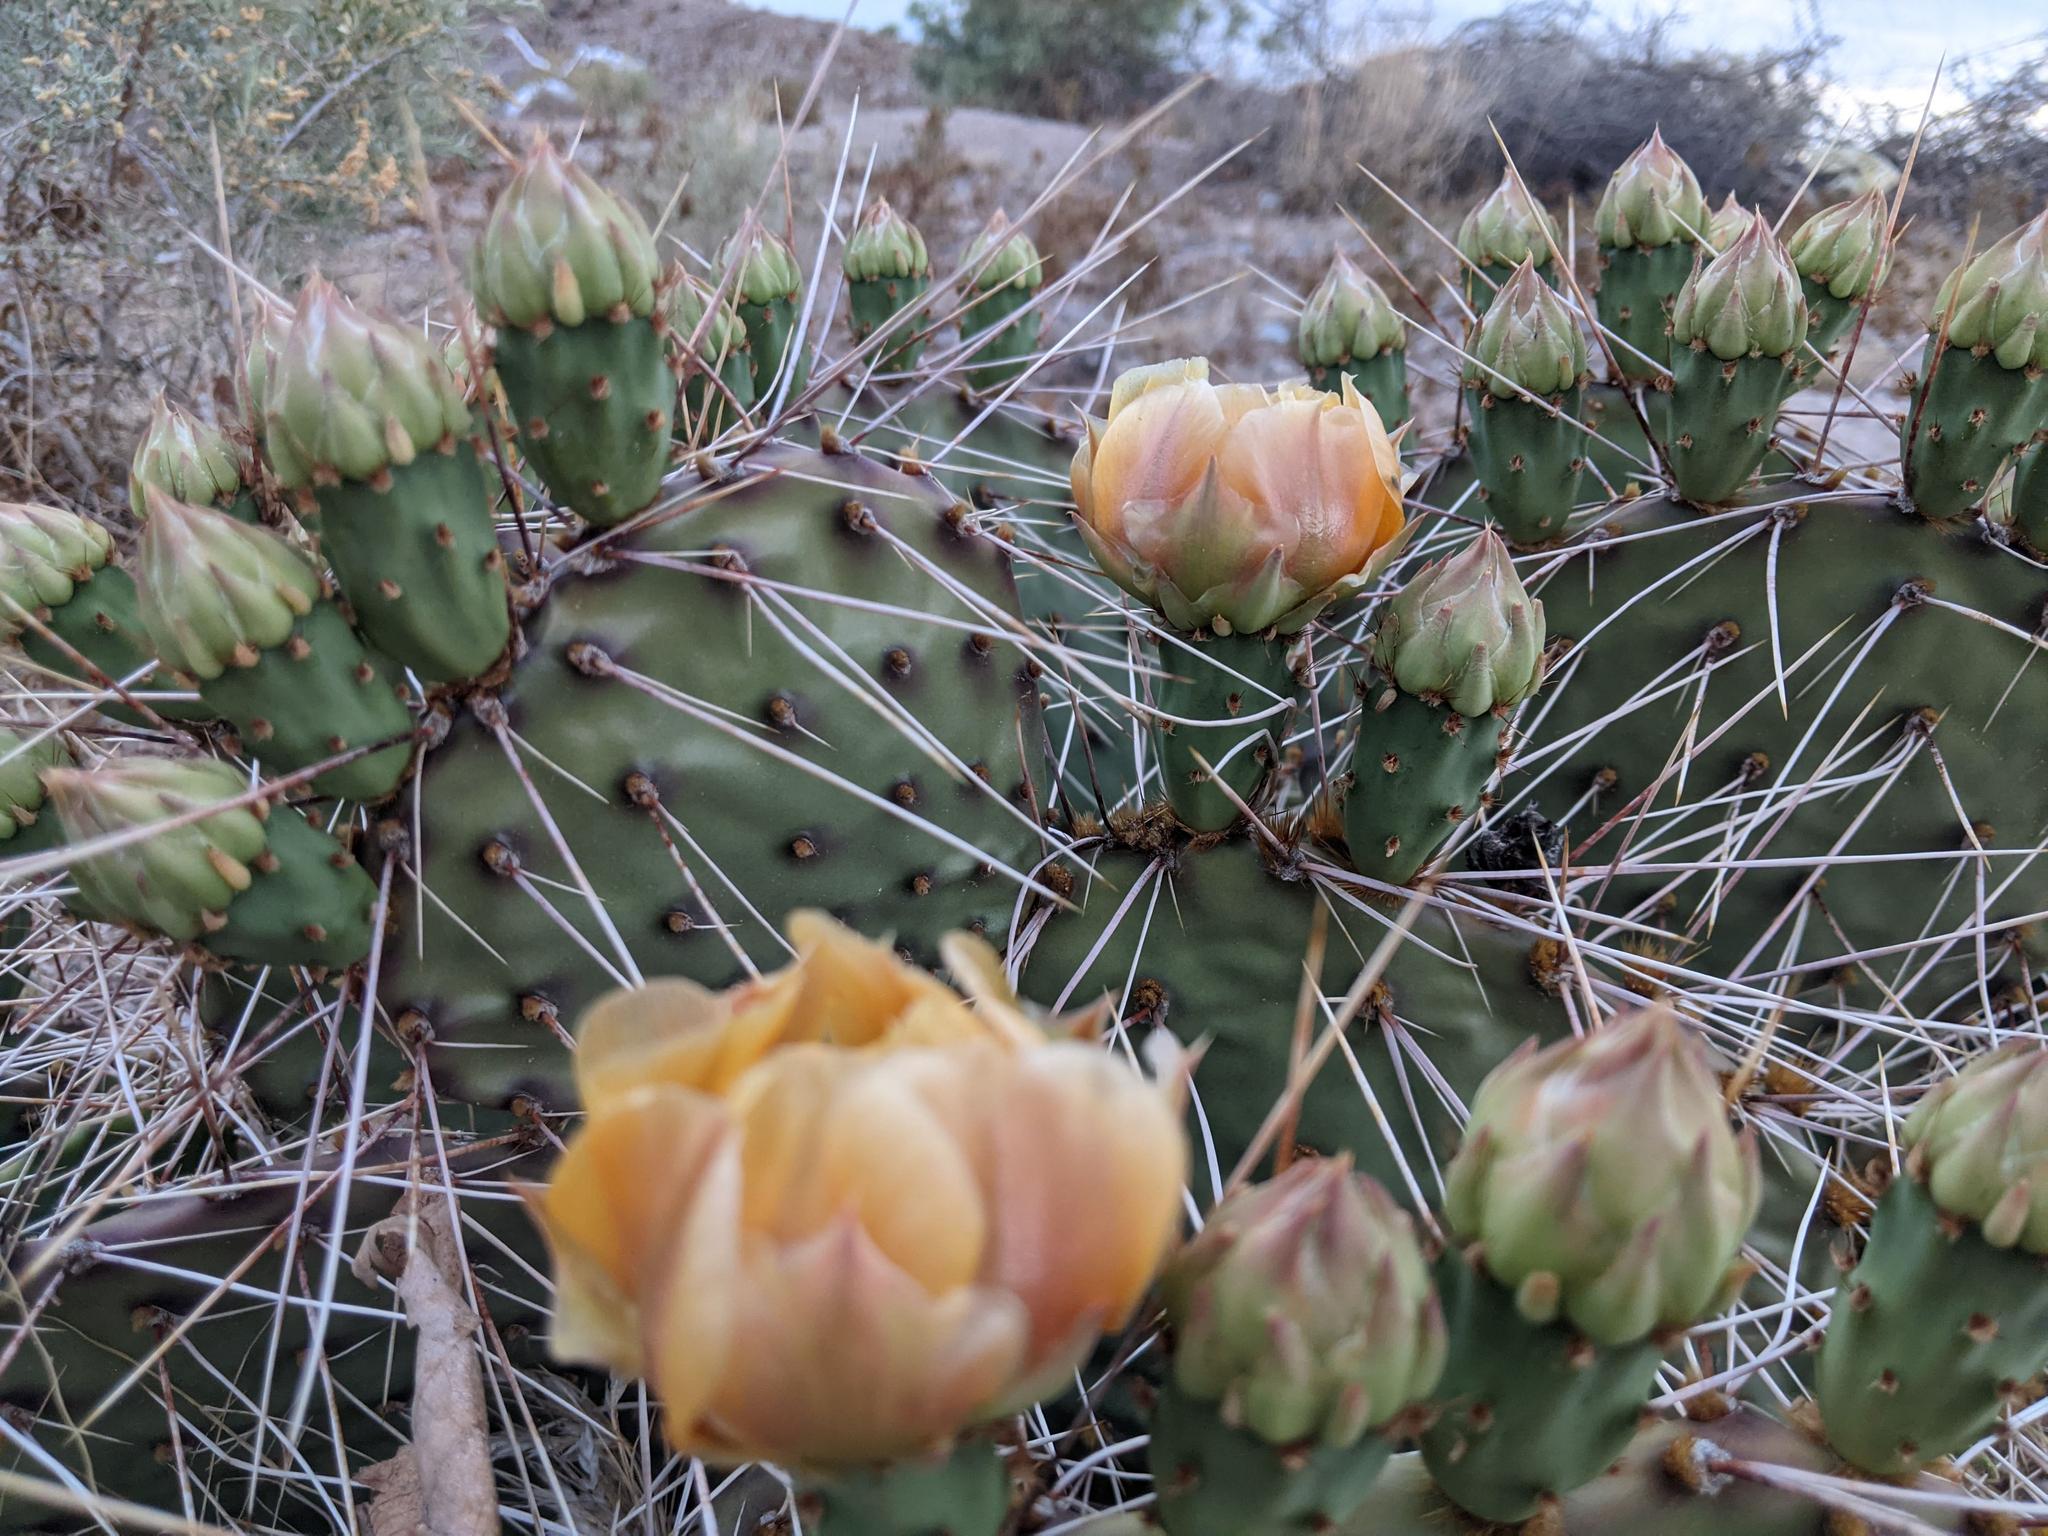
1003,257
1233,509
2000,299
764,268
765,283
1602,1182
45,553
1652,200
1727,223
1527,340
346,394
216,593
1842,248
184,457
884,245
1509,228
887,272
1466,631
1004,273
1979,1142
178,881
559,248
22,761
1348,316
1305,1308
1746,302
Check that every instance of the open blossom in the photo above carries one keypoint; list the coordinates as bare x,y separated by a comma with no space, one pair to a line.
1236,508
837,1214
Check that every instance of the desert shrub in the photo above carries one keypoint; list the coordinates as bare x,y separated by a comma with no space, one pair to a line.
106,171
1056,58
1571,96
1988,156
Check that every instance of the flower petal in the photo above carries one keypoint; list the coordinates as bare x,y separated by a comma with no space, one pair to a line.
839,1358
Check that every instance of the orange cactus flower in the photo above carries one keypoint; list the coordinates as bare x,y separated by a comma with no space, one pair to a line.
838,1214
1236,508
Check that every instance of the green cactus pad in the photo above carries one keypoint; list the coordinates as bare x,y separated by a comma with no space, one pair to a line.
2030,500
891,304
1843,565
1666,1482
420,565
1638,286
1720,420
1928,1337
594,403
1968,417
964,1493
1220,678
1420,770
749,759
131,1278
1215,1480
1529,1411
318,694
1211,947
1530,462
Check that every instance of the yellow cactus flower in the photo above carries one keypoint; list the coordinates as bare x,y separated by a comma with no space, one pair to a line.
837,1214
1234,507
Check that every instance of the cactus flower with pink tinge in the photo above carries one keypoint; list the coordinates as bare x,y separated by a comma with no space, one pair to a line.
1234,508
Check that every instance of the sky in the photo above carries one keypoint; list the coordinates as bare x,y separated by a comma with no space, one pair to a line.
1887,53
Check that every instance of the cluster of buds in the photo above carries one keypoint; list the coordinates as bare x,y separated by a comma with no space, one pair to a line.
837,1214
1234,509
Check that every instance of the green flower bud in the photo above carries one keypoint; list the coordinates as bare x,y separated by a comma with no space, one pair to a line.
45,552
724,336
1746,302
215,593
1002,257
1509,228
177,881
347,394
1465,630
1842,247
885,245
559,249
183,456
766,266
1979,1142
1305,1308
2001,299
1602,1183
1652,200
1727,223
1528,339
22,761
1348,316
